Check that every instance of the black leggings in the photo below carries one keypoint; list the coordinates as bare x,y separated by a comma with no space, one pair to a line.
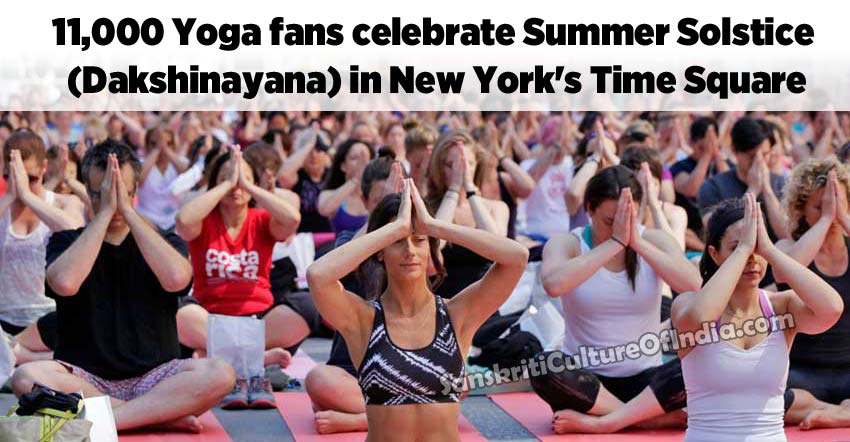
578,389
827,384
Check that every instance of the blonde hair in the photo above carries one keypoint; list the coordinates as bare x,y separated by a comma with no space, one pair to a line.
436,178
806,178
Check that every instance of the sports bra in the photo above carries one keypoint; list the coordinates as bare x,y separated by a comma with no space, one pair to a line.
390,375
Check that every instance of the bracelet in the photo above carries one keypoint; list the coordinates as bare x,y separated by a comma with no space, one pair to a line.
471,193
619,241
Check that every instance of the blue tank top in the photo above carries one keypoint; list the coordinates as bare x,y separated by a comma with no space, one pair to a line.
343,220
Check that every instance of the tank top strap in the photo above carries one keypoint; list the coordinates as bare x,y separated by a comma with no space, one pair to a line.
766,309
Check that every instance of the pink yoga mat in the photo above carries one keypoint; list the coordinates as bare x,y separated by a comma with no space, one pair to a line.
536,416
297,411
213,432
301,364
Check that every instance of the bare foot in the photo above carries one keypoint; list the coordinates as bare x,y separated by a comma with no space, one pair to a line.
277,356
186,424
330,421
569,421
24,355
845,403
832,416
673,419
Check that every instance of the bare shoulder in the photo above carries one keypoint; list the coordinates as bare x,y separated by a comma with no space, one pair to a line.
780,301
67,201
562,246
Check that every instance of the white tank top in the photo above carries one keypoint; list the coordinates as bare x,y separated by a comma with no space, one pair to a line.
156,201
735,394
604,312
22,262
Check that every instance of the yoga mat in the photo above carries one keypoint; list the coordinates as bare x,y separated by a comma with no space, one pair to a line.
301,364
213,432
297,411
535,415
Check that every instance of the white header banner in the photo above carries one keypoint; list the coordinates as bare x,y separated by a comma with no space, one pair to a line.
446,55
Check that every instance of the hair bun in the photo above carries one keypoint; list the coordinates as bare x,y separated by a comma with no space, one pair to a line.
386,152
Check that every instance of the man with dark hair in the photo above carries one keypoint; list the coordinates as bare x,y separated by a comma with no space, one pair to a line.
705,161
751,145
116,284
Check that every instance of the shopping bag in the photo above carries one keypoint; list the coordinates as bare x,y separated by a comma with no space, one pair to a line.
36,428
46,415
98,411
241,341
302,252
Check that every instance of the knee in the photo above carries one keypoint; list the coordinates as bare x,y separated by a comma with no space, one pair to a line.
567,389
217,376
319,383
25,377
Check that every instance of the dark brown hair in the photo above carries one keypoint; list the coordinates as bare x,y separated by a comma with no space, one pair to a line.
372,273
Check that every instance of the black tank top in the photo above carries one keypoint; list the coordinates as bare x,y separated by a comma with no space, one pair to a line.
390,375
506,196
463,268
830,349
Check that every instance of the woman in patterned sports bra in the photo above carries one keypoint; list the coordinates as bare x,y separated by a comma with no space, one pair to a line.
409,344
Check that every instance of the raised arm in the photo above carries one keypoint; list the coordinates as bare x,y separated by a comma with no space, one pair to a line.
54,217
804,249
149,164
691,309
180,162
331,199
284,216
67,273
562,270
334,302
518,182
171,269
190,218
814,304
474,304
288,173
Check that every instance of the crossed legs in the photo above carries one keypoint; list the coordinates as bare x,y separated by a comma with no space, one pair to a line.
172,403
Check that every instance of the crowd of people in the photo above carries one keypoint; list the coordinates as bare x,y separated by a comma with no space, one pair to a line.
123,231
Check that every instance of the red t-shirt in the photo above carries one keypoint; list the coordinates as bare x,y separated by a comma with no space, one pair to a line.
232,274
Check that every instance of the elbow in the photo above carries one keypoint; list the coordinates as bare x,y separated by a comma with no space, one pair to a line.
314,276
62,286
835,309
551,286
179,278
525,191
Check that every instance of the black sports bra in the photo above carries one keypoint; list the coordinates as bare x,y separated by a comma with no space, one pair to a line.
390,375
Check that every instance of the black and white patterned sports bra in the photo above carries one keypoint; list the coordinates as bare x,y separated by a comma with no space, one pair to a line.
390,375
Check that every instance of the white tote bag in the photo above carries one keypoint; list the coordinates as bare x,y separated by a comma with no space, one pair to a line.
7,359
241,341
98,411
